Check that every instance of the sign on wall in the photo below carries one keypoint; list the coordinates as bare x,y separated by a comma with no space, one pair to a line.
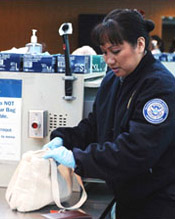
10,119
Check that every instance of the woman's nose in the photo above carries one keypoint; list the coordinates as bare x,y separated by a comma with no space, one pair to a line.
110,60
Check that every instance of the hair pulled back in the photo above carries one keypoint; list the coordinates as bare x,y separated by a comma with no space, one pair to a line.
122,25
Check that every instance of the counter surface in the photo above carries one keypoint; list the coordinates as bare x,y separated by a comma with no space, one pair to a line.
99,202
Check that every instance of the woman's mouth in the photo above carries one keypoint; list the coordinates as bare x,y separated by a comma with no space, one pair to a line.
115,70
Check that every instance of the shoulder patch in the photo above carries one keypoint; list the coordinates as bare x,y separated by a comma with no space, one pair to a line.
155,111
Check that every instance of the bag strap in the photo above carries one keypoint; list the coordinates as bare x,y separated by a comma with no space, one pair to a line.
56,193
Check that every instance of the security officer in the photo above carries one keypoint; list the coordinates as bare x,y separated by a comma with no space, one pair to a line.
129,138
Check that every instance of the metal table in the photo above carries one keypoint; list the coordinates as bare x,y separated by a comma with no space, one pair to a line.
98,205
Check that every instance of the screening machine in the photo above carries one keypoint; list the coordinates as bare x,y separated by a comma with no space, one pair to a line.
32,105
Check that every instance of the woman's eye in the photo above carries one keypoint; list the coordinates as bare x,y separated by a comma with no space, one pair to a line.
115,51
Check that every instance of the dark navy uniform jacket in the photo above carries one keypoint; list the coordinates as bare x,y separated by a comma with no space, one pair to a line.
123,142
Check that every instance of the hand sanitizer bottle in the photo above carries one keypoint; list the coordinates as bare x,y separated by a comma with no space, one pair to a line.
33,46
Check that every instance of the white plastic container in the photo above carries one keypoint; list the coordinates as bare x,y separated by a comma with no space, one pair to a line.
33,46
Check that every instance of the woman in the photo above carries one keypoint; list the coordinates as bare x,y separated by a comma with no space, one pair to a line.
129,138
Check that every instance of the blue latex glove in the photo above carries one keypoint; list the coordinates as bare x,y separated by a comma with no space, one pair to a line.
61,155
55,143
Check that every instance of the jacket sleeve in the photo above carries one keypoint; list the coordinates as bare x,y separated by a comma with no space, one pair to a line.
139,147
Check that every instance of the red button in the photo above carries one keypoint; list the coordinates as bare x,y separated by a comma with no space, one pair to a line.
34,125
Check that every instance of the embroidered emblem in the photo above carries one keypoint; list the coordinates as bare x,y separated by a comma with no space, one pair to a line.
155,111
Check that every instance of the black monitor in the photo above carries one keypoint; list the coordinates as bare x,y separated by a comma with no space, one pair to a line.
86,22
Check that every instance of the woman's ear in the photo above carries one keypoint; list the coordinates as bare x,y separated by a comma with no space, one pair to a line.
141,44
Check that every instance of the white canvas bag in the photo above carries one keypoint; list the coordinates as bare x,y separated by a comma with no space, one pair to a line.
38,182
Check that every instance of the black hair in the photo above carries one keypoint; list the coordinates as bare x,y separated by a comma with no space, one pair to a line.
122,25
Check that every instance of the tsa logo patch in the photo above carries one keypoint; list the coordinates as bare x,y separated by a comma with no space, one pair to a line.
155,111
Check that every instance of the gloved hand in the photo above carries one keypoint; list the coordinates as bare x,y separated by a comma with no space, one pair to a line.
61,155
55,143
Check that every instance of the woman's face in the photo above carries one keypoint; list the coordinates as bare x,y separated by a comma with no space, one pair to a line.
123,58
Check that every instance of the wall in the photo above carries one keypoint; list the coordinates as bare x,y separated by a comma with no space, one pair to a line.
18,17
